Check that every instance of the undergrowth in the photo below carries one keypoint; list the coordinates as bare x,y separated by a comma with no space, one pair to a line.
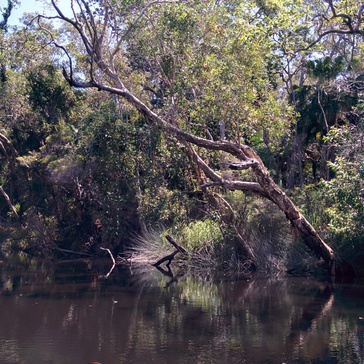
215,249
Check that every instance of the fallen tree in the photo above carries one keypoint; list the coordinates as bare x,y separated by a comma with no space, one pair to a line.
104,76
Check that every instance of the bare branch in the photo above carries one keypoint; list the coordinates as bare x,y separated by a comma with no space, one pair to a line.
243,165
2,148
238,185
330,31
75,23
137,19
7,142
61,15
178,247
264,185
352,25
170,257
8,201
104,27
331,6
113,261
73,11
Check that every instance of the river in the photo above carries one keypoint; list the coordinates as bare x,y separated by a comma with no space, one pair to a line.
68,312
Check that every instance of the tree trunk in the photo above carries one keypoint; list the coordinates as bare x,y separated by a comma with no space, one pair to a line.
263,185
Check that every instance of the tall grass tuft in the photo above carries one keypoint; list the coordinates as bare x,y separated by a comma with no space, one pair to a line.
216,249
148,247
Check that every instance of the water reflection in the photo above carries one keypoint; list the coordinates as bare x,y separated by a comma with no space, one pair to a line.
65,313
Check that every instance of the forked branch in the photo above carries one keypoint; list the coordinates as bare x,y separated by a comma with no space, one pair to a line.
168,258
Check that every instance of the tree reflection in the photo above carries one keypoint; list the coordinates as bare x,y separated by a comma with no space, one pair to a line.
141,315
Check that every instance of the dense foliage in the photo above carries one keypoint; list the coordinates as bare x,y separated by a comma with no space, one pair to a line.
80,168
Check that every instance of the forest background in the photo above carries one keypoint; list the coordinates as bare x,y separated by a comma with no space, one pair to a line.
82,166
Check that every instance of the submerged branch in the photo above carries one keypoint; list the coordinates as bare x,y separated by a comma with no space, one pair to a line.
170,257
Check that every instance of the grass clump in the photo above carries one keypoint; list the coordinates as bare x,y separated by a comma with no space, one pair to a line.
218,247
201,233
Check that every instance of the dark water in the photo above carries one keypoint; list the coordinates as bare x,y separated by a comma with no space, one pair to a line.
67,313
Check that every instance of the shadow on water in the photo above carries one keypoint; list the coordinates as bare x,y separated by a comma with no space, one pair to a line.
69,313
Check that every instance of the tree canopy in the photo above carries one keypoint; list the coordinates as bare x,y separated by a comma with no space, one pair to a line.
175,107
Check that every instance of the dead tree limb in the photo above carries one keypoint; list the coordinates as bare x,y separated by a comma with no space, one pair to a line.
170,257
178,247
8,201
113,261
103,76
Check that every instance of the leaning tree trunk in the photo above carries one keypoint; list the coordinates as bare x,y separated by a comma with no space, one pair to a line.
92,34
265,185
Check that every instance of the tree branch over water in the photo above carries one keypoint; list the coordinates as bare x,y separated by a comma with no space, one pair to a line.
102,47
113,262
